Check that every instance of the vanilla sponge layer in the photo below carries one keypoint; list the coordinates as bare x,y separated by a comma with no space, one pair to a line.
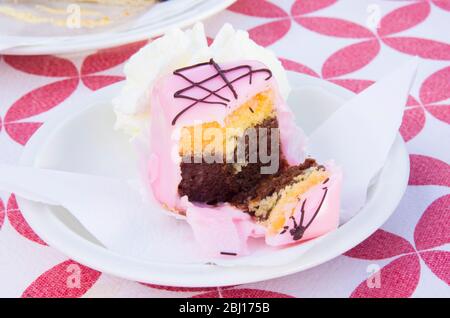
197,139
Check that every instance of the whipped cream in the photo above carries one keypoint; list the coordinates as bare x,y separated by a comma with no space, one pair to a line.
178,49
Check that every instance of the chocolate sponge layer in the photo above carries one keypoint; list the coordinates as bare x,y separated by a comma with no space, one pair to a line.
220,182
272,184
207,182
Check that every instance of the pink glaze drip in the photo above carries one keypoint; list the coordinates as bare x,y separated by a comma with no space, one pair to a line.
164,169
221,230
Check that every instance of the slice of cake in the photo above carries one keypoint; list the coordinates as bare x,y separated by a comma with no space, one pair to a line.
207,112
220,134
221,147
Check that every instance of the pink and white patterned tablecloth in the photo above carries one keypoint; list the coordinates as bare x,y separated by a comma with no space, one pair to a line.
349,42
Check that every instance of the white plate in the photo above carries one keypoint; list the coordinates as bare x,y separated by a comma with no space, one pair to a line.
33,45
49,148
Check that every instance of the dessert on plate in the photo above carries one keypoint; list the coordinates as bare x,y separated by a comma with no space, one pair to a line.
219,145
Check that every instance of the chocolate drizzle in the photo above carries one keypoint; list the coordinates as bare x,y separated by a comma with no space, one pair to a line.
225,79
299,229
228,253
182,93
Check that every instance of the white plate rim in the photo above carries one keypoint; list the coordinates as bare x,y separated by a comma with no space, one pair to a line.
49,228
116,39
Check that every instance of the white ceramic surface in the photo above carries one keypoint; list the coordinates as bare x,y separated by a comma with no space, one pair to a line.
73,146
32,45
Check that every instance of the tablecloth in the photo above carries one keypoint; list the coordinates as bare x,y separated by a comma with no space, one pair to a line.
350,43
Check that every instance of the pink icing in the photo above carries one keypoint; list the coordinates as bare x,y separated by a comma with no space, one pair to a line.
164,170
221,229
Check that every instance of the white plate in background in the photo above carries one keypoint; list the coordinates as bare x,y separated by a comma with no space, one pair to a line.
37,45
